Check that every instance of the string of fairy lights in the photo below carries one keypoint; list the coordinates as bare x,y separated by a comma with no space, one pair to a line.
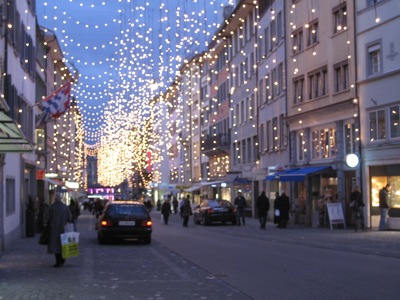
120,49
128,54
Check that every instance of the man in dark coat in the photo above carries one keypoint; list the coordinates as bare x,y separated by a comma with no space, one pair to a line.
263,208
384,206
283,204
166,210
357,208
175,204
186,211
58,216
241,205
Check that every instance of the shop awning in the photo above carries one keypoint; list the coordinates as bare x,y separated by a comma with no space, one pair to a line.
11,137
277,175
300,174
53,181
241,180
192,189
210,183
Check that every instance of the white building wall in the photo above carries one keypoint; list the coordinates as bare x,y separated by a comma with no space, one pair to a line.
378,92
15,164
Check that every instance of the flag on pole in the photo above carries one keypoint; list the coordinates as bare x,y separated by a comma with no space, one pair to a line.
58,102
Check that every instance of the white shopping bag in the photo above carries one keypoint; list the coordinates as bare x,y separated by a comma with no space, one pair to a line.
69,244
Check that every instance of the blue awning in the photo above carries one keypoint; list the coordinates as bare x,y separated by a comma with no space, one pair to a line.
241,180
277,175
300,174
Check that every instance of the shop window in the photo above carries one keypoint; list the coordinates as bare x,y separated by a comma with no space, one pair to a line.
378,182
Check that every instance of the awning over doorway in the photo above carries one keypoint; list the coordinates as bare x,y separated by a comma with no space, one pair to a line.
241,180
277,175
210,183
11,137
192,189
53,181
300,174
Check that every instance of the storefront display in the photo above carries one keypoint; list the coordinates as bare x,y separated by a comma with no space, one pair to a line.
378,182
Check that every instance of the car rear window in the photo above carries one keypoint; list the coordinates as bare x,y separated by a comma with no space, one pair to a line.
212,203
125,209
225,204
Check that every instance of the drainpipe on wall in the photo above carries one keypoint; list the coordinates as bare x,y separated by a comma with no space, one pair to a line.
360,164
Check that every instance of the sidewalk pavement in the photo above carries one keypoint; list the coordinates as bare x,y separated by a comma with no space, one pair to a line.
370,242
26,251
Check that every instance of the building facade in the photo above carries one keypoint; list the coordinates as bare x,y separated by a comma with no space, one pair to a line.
310,83
378,75
18,170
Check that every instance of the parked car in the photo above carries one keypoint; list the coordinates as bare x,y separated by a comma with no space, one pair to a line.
124,220
211,211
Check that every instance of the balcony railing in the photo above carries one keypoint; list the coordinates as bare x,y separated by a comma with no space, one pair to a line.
219,143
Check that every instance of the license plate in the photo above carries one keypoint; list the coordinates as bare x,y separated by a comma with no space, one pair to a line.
126,223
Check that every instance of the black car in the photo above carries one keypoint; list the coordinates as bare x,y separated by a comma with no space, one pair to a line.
124,220
211,211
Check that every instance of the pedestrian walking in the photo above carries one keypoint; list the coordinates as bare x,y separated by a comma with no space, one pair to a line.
384,206
186,211
75,213
282,204
58,216
98,208
357,208
181,203
166,210
263,208
158,205
175,205
240,204
276,210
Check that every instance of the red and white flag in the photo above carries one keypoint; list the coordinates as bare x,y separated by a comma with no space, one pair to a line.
58,102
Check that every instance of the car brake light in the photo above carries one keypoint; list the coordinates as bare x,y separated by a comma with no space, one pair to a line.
147,223
210,210
105,223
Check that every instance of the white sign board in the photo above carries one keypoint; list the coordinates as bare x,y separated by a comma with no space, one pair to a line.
335,213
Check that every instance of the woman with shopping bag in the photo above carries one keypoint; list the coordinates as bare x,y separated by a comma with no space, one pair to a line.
58,216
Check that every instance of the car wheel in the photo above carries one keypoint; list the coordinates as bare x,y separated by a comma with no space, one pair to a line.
204,221
147,240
